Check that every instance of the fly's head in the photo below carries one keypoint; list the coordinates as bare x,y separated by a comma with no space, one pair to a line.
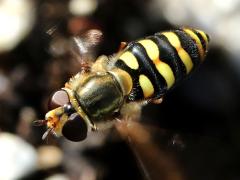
63,118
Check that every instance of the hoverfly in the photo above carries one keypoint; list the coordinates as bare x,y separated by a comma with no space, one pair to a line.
114,88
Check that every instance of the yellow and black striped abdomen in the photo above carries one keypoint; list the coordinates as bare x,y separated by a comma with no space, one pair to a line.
156,63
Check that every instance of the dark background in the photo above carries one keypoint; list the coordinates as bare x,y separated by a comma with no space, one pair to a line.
200,117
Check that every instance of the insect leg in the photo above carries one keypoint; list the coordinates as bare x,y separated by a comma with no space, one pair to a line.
122,46
156,101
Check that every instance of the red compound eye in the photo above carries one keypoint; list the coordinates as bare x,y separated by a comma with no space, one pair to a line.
59,98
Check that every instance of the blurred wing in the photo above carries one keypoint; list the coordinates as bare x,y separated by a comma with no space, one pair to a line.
84,46
155,163
81,47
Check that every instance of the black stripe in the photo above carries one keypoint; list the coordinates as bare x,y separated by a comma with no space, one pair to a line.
208,38
167,55
190,46
147,67
172,54
203,42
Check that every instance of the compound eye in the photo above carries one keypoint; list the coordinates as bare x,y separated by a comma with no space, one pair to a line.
59,98
75,129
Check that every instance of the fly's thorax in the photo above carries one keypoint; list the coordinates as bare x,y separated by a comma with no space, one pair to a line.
100,95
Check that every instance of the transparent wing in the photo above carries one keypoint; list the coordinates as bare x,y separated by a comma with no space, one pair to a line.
156,162
81,47
84,45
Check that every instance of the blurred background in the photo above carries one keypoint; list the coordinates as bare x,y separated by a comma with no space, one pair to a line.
197,124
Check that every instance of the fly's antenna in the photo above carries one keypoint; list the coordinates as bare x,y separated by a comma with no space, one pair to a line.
46,134
40,122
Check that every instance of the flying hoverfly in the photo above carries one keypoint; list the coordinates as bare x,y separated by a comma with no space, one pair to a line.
113,89
116,87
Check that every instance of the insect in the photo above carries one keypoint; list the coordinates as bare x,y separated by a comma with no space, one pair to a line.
116,87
